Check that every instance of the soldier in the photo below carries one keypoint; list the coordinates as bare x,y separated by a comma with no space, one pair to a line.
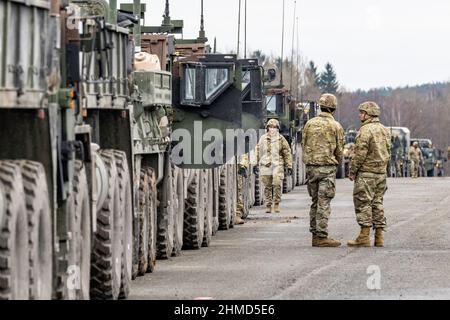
323,143
242,174
368,169
415,156
274,157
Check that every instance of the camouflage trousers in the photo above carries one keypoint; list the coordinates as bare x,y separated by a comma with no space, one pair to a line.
368,193
414,168
322,188
240,196
272,188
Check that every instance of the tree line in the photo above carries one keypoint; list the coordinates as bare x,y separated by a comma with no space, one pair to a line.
424,109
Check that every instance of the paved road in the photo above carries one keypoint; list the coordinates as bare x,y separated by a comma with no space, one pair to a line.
270,257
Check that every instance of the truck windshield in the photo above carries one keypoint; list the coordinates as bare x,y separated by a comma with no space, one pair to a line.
190,84
215,79
271,104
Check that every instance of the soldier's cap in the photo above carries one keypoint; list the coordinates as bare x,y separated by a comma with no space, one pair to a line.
371,108
328,100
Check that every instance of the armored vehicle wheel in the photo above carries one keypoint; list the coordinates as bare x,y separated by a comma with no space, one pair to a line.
106,267
178,209
153,212
298,173
39,229
209,207
14,253
245,194
224,199
286,184
165,217
79,254
216,183
232,192
126,210
194,214
259,199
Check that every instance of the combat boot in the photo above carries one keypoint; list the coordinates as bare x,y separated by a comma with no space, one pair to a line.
363,239
239,220
379,238
277,208
314,240
326,242
268,209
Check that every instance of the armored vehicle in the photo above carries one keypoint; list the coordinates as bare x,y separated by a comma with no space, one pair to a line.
399,163
430,157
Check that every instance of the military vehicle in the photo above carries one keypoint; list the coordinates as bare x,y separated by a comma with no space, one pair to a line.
87,178
399,163
430,157
350,140
282,106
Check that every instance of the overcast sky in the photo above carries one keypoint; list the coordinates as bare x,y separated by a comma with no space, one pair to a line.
370,43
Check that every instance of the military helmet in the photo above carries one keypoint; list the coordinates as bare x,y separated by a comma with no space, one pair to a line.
371,108
273,123
328,100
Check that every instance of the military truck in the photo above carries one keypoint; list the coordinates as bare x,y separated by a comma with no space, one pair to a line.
430,157
350,140
282,106
399,163
87,183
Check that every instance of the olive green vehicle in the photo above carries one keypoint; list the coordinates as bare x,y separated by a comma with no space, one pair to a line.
399,163
90,194
349,147
292,116
430,157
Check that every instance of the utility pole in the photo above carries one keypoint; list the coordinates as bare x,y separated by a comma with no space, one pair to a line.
239,29
282,47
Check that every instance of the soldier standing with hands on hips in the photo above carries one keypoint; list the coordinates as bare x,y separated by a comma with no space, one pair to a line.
368,170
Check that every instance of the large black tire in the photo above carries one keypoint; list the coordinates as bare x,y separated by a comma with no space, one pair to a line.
194,214
77,286
126,208
165,217
259,194
216,183
178,209
224,203
232,192
245,194
144,223
298,173
153,211
14,243
106,264
209,207
39,229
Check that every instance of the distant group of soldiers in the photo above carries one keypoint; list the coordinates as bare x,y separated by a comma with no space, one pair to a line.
323,145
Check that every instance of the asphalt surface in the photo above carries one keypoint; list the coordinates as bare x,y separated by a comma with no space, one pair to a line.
270,257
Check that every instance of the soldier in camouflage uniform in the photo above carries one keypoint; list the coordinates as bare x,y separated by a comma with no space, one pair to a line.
415,157
323,144
368,169
274,157
242,174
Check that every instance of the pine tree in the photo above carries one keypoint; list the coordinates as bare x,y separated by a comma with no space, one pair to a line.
312,70
328,81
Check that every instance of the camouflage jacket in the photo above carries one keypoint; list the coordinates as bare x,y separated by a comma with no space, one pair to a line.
323,141
415,153
372,148
273,151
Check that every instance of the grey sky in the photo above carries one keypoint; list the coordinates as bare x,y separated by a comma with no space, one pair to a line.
370,43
